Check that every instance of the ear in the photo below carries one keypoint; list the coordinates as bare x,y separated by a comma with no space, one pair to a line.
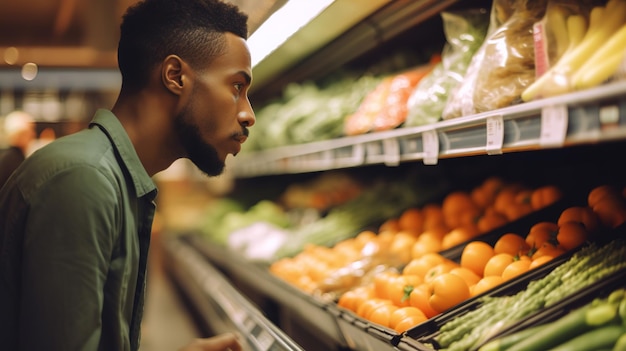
172,74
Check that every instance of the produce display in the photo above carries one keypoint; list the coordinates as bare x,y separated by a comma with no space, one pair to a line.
432,228
585,268
595,55
598,325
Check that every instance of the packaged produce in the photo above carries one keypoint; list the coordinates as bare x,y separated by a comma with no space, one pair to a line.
504,65
591,59
465,32
385,107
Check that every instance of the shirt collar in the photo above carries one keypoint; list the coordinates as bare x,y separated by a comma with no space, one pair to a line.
112,127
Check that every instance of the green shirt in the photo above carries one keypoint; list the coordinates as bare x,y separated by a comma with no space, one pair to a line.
75,224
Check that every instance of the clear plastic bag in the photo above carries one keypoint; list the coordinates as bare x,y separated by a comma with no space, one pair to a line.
465,32
504,65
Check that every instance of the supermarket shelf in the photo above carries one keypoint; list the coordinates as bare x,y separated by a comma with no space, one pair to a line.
319,316
221,306
591,116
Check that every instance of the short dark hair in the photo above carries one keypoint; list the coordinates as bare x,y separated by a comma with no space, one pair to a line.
192,29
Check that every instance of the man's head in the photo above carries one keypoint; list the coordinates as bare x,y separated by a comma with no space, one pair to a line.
190,29
193,53
19,128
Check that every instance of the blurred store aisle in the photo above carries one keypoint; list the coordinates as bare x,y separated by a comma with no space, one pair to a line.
167,325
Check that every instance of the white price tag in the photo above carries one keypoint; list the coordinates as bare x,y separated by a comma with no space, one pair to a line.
391,149
430,140
553,125
495,135
609,116
265,340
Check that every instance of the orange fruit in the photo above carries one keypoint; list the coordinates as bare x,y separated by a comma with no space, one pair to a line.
401,246
611,211
425,244
420,298
545,196
491,220
548,249
600,192
433,217
486,283
408,323
382,314
582,214
466,274
421,265
571,235
475,256
438,270
497,263
402,313
458,236
370,305
352,299
540,260
511,243
516,268
392,225
456,205
411,219
448,291
541,233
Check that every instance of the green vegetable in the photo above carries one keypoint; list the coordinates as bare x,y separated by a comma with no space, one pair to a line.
594,339
620,345
504,342
583,269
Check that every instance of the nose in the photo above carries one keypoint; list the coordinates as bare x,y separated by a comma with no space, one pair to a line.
246,117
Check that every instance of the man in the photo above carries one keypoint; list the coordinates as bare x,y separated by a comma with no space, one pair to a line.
19,129
75,220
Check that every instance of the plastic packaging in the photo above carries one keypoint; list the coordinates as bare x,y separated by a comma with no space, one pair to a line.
504,65
465,32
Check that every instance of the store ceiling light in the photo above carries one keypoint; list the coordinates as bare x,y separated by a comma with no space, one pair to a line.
282,24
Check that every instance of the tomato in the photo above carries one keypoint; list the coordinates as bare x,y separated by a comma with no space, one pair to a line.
511,243
582,214
403,313
370,305
401,246
409,322
540,233
448,291
397,289
412,219
458,236
536,262
475,255
420,266
497,263
352,299
438,270
467,274
516,268
571,234
545,196
486,283
420,298
382,314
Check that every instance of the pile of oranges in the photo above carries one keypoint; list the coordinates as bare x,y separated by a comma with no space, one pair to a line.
431,284
460,217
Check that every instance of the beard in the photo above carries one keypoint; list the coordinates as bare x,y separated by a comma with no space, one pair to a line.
200,153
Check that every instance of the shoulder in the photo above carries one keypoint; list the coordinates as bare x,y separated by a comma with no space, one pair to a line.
83,159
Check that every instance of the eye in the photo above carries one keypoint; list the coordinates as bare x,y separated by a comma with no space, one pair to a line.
239,86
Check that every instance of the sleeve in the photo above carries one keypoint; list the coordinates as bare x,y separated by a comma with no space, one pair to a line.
68,241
